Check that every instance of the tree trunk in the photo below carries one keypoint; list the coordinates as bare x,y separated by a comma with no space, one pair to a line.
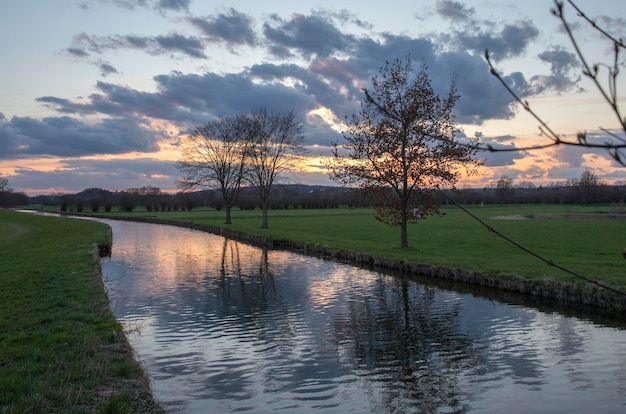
264,208
404,238
228,220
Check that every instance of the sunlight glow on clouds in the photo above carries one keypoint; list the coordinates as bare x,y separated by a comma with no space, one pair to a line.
101,93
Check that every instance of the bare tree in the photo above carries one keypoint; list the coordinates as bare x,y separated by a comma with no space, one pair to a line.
614,140
587,188
213,156
402,145
274,144
4,185
504,188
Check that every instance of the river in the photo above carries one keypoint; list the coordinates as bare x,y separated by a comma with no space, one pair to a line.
224,327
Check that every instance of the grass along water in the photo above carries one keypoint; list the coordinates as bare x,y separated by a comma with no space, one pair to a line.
61,349
580,238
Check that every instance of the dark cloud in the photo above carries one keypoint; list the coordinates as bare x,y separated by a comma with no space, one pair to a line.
343,17
311,35
506,155
336,93
329,81
319,133
187,99
512,40
327,66
68,137
234,28
77,52
84,44
106,68
161,5
135,42
204,96
562,63
190,46
175,5
454,11
339,65
127,4
64,106
481,95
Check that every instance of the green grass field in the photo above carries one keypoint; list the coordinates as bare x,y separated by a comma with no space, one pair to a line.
61,349
586,242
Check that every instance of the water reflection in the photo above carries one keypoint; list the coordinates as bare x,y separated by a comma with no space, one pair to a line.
224,327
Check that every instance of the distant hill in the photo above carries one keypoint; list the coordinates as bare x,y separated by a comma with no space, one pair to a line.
94,193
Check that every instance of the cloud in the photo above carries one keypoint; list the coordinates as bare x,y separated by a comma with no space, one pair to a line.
482,97
573,157
187,99
506,155
337,65
234,28
453,10
77,52
309,35
68,137
175,5
561,64
106,68
84,45
344,17
319,83
209,95
190,46
512,40
61,105
112,174
161,5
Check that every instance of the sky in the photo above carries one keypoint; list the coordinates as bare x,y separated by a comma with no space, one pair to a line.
99,93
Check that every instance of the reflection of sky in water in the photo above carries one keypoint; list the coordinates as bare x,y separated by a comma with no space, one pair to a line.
225,327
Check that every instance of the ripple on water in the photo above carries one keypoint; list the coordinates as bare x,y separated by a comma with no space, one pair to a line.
224,327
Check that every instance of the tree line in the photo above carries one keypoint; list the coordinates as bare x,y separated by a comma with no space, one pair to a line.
587,189
295,196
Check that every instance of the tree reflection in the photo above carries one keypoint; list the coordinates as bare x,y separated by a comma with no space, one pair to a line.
244,284
234,327
402,338
405,345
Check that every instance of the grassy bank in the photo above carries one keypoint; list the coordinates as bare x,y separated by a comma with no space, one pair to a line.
583,238
61,349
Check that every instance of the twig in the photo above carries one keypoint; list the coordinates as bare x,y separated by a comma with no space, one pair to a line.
549,262
609,93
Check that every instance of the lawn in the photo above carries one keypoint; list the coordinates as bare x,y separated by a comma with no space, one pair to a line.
580,238
61,349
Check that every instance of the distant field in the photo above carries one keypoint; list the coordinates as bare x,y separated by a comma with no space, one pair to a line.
586,239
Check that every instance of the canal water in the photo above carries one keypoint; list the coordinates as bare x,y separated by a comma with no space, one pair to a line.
225,327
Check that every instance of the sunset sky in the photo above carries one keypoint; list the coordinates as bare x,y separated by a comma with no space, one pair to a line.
98,93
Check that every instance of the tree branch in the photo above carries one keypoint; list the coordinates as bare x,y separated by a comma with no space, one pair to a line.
547,261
